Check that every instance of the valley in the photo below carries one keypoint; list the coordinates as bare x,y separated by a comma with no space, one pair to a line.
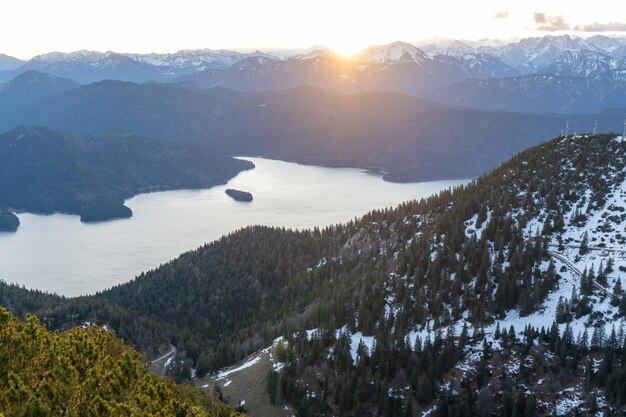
486,269
42,253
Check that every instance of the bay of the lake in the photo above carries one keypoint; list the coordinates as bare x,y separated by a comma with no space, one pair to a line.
58,253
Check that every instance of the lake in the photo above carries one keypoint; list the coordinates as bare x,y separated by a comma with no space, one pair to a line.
58,253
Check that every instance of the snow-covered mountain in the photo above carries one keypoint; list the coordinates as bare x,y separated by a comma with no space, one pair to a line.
457,55
584,64
92,66
454,47
578,76
397,67
82,56
475,63
531,54
615,47
191,61
393,52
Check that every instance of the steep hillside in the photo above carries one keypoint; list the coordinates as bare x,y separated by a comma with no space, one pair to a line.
86,372
487,308
502,297
44,170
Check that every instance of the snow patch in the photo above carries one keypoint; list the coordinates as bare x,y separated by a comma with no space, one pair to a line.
248,364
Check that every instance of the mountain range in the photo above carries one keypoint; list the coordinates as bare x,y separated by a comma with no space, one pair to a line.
532,54
585,64
538,93
398,66
405,137
90,66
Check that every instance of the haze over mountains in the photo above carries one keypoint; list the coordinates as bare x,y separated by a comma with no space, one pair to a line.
30,87
89,66
8,63
371,69
385,108
409,138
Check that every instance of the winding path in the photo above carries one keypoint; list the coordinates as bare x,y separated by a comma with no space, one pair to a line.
160,358
158,365
577,272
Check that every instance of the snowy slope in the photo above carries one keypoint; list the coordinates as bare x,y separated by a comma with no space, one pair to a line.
551,199
191,61
584,64
531,54
475,63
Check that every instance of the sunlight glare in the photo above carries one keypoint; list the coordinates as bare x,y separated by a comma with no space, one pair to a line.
348,48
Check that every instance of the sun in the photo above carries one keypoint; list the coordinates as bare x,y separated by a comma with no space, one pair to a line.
347,47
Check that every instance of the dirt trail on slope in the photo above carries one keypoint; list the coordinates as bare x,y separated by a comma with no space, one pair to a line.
249,385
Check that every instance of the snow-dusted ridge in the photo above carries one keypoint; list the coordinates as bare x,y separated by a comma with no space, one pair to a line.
393,52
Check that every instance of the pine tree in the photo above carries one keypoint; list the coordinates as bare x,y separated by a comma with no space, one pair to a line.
584,245
598,338
568,335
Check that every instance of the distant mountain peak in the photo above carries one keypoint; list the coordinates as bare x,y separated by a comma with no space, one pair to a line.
393,52
8,63
82,55
584,64
460,46
32,86
322,52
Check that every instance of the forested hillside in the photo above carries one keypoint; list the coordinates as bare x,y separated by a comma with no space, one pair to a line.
483,313
537,93
86,372
501,298
45,170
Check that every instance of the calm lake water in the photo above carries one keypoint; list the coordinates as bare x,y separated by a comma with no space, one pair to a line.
58,253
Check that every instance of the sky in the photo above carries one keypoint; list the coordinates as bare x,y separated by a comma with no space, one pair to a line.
31,27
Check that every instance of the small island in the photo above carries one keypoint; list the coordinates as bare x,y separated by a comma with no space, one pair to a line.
8,222
239,195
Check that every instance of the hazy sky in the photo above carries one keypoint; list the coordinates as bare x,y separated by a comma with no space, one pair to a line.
30,27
